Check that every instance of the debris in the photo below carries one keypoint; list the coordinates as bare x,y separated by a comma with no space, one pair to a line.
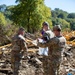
32,65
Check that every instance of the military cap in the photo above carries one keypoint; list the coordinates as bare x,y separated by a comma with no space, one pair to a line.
57,27
21,29
45,23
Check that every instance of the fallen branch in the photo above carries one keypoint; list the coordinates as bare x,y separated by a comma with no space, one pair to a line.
8,45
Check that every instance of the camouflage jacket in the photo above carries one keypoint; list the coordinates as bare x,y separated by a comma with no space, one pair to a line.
53,46
62,41
19,44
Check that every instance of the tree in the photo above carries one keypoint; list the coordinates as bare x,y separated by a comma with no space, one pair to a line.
7,12
2,8
2,19
58,13
71,15
61,15
72,23
2,31
64,24
54,14
30,14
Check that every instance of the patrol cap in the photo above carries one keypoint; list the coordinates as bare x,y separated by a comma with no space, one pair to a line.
45,23
57,28
21,29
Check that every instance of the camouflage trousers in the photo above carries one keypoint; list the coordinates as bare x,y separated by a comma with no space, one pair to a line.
51,65
15,61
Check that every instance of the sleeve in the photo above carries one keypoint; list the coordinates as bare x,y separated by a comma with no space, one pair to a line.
43,45
54,42
23,45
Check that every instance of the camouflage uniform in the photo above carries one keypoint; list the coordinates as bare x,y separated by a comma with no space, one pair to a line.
51,62
62,42
19,46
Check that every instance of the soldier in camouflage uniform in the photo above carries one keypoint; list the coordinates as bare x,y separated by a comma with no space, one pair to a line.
18,49
53,53
62,41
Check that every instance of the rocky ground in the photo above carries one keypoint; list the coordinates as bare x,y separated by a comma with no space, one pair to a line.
33,65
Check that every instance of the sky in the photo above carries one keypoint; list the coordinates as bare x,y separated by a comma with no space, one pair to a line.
66,5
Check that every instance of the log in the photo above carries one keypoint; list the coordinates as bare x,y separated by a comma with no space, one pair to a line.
8,45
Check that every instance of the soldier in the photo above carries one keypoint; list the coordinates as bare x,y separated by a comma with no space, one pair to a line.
48,63
58,34
62,40
18,49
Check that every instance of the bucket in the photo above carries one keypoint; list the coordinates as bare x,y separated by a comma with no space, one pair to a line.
69,74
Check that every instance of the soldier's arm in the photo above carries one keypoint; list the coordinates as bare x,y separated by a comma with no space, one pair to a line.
43,45
23,45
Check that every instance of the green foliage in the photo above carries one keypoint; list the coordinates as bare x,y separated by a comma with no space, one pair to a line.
2,8
71,15
7,12
59,13
67,20
2,19
64,24
5,22
30,14
72,23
